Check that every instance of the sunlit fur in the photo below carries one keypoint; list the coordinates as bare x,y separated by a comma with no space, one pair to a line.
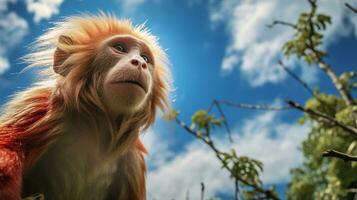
35,117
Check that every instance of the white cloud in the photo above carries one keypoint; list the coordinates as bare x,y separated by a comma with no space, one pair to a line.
230,61
4,4
185,173
43,9
273,142
309,73
263,137
159,151
4,65
254,48
13,28
129,6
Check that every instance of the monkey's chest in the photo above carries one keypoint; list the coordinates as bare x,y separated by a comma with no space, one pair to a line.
71,170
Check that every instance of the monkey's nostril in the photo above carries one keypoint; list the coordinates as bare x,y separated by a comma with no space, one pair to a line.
135,62
144,66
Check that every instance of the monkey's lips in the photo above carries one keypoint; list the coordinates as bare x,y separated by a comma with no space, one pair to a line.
133,82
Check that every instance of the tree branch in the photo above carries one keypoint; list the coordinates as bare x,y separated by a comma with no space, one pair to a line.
337,154
346,96
303,83
331,120
236,192
254,106
351,7
296,77
225,123
218,103
218,154
278,22
202,191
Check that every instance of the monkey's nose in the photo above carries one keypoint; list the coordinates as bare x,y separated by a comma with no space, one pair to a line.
137,63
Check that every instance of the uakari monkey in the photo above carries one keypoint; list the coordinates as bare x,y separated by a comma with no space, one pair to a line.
74,135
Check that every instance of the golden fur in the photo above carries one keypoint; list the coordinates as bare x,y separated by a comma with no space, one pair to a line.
35,118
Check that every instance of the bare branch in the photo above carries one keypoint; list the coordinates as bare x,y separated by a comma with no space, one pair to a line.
337,154
202,191
346,96
327,118
303,83
218,154
278,22
296,77
254,106
236,193
225,123
351,7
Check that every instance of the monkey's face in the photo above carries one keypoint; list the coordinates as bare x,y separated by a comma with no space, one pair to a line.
129,80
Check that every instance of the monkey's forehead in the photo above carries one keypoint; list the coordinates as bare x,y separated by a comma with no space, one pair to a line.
127,38
92,26
89,29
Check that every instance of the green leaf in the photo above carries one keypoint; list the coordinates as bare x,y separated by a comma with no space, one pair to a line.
171,115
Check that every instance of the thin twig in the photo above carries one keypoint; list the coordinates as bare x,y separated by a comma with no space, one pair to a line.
276,22
236,194
337,154
296,77
303,83
254,106
331,120
351,7
211,106
218,154
225,121
202,191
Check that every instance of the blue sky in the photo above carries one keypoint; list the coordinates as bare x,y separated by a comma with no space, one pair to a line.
218,50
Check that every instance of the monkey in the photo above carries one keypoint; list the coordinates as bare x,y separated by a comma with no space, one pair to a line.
74,133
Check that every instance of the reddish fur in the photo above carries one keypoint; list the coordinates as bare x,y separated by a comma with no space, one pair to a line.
11,163
20,146
34,118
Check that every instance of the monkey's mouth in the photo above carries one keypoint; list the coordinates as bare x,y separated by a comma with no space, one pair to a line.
137,83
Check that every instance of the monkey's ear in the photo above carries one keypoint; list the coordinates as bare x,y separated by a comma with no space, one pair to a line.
60,55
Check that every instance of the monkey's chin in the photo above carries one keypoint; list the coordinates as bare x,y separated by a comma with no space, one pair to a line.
124,98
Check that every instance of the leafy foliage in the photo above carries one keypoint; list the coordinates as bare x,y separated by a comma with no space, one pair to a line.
308,37
323,178
204,122
171,115
348,80
241,168
319,177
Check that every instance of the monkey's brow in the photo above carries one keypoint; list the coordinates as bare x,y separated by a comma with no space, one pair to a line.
132,39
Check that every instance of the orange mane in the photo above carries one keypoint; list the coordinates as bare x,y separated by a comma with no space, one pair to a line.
34,117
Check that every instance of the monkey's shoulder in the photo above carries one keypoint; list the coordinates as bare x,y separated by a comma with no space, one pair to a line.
74,168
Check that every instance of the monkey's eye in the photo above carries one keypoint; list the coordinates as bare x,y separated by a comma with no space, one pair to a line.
119,47
146,58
